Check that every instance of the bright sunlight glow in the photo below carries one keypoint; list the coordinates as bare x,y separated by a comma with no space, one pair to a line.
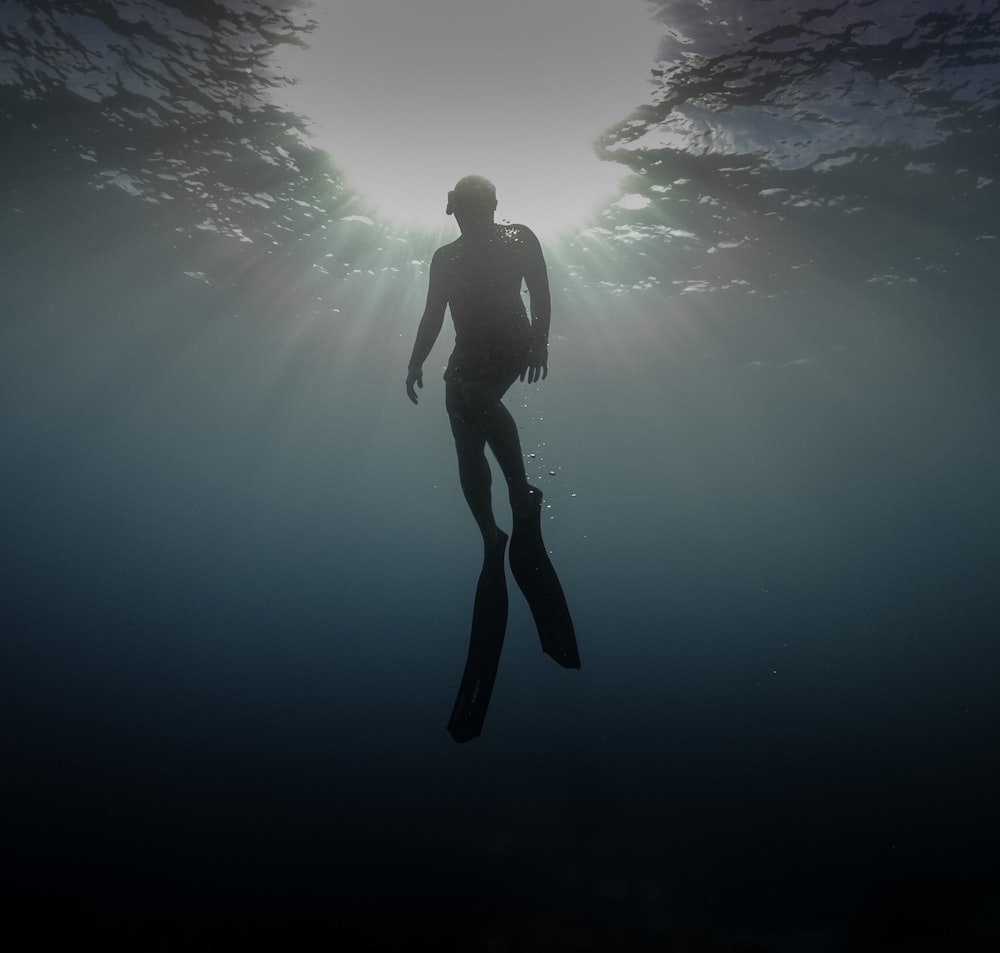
407,96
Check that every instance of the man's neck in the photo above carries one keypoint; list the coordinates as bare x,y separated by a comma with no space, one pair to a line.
477,228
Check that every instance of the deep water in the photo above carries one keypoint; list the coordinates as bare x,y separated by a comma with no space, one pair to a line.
238,570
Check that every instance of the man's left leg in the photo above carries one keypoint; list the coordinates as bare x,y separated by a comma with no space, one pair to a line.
473,467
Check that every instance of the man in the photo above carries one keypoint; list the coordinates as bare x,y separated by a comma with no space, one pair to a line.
479,277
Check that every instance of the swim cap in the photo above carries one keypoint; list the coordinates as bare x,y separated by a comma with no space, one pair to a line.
472,191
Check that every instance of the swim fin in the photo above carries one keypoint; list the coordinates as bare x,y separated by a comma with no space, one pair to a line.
489,625
536,577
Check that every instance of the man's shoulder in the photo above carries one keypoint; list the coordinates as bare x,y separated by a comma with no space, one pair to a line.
446,253
517,234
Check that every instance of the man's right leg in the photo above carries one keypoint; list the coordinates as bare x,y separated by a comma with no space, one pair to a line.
501,433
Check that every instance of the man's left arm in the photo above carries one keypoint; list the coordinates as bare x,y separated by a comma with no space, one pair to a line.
537,279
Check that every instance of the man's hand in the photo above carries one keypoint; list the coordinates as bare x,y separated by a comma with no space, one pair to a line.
537,368
414,376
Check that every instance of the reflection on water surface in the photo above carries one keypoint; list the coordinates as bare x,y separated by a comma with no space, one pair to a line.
410,96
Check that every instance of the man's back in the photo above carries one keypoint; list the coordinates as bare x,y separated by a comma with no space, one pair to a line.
482,276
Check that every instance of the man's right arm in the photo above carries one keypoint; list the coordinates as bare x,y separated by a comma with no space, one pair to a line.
429,328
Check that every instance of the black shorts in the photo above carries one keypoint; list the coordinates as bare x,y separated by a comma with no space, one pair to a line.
495,364
473,386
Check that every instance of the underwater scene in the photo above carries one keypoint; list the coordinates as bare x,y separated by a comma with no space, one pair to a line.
747,695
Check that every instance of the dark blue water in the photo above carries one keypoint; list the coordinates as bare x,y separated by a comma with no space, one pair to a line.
238,572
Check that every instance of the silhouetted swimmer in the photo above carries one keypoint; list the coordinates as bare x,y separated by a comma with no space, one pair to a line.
478,277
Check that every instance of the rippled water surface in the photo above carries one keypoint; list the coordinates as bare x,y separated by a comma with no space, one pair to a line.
238,569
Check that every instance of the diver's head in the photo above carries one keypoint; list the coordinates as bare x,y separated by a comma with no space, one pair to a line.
474,199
